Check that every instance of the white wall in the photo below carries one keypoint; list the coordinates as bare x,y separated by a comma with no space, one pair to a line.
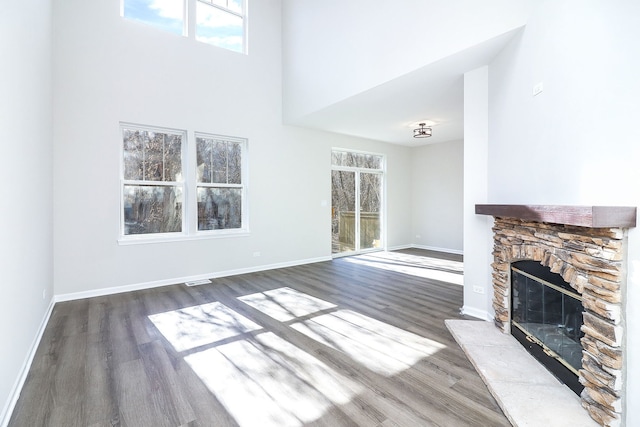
26,174
109,70
336,49
437,195
577,142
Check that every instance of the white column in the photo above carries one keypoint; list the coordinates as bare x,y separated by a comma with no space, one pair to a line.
478,290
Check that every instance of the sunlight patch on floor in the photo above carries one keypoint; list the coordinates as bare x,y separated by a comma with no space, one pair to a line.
429,268
285,304
422,260
382,348
270,382
199,325
264,380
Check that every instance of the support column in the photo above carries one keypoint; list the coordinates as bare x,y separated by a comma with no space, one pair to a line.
477,228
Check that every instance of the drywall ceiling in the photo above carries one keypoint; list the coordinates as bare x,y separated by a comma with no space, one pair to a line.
390,111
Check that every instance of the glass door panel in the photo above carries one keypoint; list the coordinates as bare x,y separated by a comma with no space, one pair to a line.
550,315
343,211
571,349
370,190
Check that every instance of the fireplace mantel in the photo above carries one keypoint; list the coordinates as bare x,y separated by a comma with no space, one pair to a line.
581,216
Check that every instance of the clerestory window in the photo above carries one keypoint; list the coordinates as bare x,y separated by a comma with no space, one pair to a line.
221,23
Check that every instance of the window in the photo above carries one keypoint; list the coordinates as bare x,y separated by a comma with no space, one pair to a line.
351,159
220,23
161,201
167,15
153,185
220,182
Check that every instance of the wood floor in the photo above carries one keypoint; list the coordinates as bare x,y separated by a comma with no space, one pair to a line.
356,341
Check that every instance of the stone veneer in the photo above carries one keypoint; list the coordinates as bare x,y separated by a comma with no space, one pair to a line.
591,260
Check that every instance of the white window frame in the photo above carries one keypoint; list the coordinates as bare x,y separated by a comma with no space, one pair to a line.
244,161
182,184
189,22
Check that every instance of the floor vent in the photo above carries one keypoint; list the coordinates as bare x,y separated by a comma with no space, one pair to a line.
198,282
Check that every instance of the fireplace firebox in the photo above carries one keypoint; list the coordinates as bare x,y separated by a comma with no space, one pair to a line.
546,318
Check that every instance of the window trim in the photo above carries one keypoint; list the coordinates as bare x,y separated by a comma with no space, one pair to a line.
225,9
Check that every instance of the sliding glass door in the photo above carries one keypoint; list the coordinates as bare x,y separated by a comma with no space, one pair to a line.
369,222
356,202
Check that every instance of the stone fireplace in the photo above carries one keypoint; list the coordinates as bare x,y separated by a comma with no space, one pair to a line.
587,247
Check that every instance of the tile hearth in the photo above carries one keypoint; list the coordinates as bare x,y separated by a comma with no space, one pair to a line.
528,394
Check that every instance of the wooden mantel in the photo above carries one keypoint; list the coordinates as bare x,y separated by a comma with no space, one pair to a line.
582,216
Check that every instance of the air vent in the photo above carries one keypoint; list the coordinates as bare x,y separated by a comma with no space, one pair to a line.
198,282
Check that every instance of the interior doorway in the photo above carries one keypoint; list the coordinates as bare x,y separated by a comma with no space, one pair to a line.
356,202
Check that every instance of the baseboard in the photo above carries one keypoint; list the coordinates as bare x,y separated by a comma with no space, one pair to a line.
5,415
434,248
474,312
158,283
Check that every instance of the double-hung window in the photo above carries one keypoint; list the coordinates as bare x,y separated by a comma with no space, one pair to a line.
161,201
220,182
152,179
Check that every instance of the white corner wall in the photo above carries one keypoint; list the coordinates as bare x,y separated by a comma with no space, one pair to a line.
108,70
336,49
26,174
576,143
437,196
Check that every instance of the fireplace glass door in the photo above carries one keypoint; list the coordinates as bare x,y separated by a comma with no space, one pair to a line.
548,311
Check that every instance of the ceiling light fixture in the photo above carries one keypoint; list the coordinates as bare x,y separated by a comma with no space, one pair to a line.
422,132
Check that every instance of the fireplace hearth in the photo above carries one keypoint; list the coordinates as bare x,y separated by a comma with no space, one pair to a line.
586,247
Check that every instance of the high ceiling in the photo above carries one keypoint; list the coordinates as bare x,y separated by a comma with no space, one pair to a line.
390,111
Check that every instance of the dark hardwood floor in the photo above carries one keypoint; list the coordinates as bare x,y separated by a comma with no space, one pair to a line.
357,341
